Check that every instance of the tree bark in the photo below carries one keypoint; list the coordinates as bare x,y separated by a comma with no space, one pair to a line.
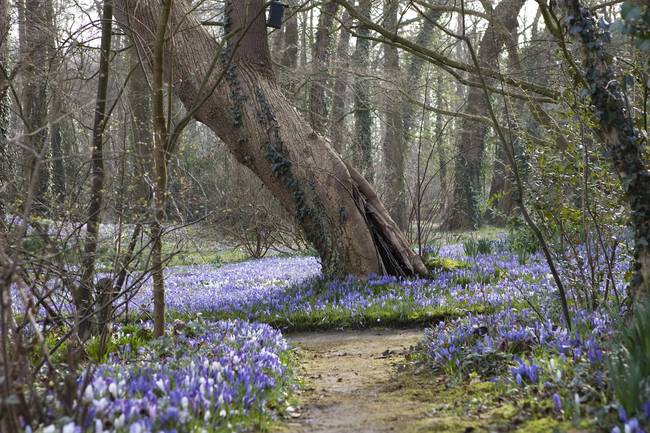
290,56
339,98
442,150
501,188
5,28
161,150
317,102
56,114
394,146
33,38
463,212
339,213
83,299
415,69
139,97
362,155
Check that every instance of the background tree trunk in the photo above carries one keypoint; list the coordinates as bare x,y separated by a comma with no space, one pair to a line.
34,40
463,212
442,150
415,69
362,155
56,113
139,97
338,211
83,299
5,167
290,55
319,76
502,187
5,29
393,145
339,98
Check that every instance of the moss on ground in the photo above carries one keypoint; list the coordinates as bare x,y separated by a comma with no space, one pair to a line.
437,263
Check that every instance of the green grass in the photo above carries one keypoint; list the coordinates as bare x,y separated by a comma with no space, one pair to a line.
403,314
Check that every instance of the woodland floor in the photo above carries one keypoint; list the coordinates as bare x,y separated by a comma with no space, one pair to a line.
365,382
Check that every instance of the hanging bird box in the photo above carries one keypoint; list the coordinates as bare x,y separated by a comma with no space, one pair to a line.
276,12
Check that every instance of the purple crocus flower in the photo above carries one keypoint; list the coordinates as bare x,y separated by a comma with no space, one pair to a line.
557,402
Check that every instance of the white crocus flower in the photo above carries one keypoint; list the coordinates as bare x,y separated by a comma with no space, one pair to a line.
89,393
119,422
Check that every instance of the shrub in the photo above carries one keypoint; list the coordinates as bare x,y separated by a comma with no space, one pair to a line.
522,242
474,247
629,366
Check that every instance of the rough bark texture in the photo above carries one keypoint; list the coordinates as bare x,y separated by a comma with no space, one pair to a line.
317,102
33,40
415,69
335,207
290,56
56,143
362,155
463,212
139,97
623,141
5,27
341,83
502,203
442,149
56,114
393,145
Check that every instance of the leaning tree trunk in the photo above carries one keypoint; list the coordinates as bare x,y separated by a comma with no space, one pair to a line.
335,206
463,212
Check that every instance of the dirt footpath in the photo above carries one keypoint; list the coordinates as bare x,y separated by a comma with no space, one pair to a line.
364,382
351,382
